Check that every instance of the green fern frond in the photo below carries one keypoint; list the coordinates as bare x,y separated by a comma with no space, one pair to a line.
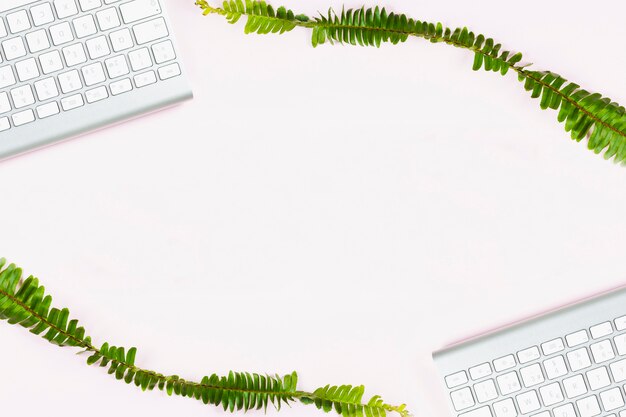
262,18
347,401
585,114
25,302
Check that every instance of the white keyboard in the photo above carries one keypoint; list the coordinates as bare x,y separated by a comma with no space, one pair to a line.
70,66
568,363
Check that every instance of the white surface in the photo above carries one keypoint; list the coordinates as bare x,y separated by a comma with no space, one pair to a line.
338,211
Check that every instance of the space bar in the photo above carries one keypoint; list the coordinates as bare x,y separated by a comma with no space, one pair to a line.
12,4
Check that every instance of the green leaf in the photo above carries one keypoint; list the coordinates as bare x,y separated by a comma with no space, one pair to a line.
478,61
130,356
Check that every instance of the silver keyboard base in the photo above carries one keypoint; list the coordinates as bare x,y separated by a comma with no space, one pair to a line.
595,328
94,116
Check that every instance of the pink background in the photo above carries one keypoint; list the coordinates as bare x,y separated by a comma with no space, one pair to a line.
338,211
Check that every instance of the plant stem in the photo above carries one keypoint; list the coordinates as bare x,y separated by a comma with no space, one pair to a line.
88,347
161,380
519,69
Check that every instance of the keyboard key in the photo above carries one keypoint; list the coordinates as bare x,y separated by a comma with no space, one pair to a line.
462,399
42,14
121,40
620,323
98,47
598,378
22,96
108,18
485,391
50,62
27,69
150,31
24,117
532,375
169,71
505,408
46,89
72,102
552,346
566,410
140,59
7,78
4,124
504,363
3,29
508,383
37,41
70,81
163,52
124,86
452,381
145,79
574,386
5,105
528,402
96,94
480,371
578,359
551,394
13,48
618,370
577,338
588,407
116,66
602,351
555,367
528,355
87,5
18,21
61,33
620,344
74,54
479,412
139,9
612,399
65,8
47,110
84,26
93,74
601,330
